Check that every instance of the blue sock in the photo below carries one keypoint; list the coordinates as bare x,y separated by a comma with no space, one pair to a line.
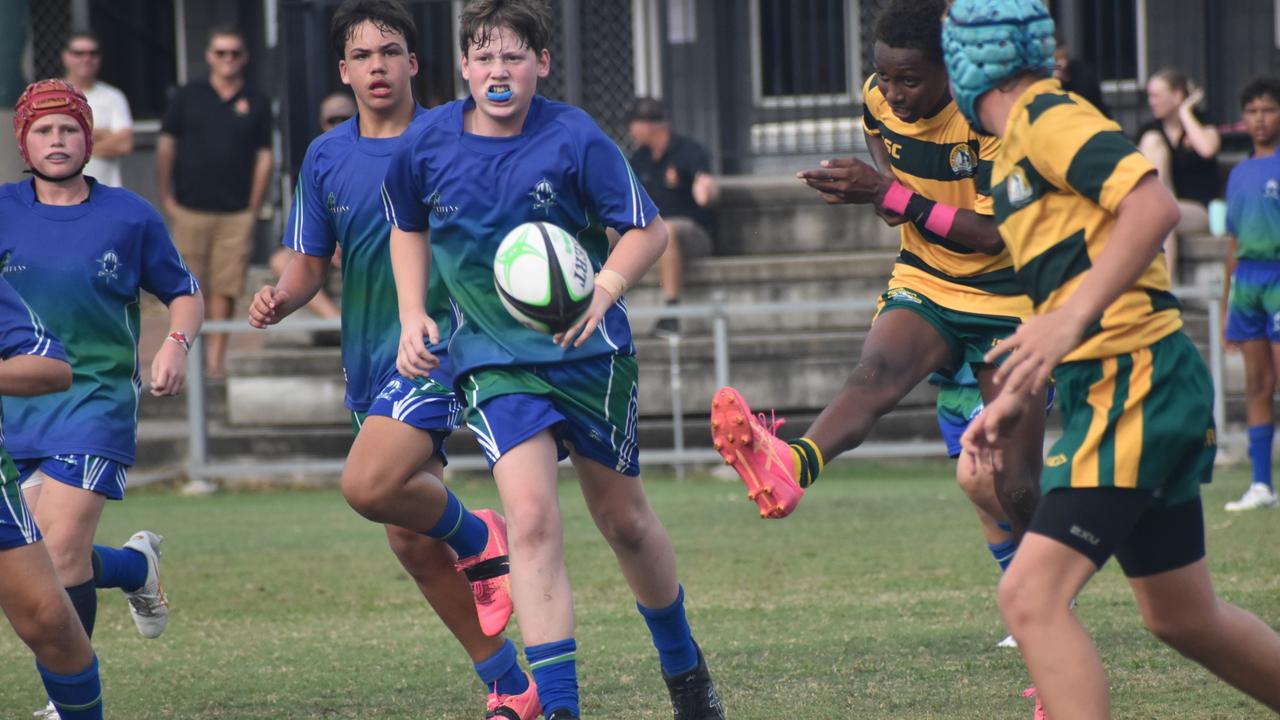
77,697
460,529
671,635
84,598
119,568
1003,553
1260,438
555,669
502,671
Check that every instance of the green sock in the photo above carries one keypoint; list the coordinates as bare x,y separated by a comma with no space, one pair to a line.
808,461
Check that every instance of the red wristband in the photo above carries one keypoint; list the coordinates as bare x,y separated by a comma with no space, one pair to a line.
182,340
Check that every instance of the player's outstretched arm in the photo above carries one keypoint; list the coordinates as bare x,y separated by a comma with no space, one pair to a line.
1143,218
302,278
28,375
169,367
637,250
411,266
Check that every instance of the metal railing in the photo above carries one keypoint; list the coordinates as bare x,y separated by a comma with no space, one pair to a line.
718,311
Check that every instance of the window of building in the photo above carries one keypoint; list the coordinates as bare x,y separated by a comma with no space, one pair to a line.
1109,34
805,51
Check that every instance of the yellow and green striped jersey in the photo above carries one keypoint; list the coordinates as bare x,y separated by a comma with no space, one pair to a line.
1063,170
945,160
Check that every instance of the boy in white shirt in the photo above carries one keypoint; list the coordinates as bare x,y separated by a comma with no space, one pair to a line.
112,121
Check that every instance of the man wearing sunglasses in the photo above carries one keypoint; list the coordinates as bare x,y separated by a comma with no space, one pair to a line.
112,121
213,162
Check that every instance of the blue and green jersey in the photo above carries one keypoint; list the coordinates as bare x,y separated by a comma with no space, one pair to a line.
469,191
339,201
1253,208
80,267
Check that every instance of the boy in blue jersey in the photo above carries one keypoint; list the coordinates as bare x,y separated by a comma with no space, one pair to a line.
468,174
78,252
33,363
1251,292
393,470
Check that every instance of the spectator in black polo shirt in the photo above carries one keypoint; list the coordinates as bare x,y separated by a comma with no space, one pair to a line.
213,161
676,172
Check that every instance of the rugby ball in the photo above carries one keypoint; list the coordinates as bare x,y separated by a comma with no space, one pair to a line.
543,277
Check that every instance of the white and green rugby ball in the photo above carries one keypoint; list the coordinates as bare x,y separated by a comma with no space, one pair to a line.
544,277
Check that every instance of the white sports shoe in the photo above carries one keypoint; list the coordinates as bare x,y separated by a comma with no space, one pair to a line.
48,712
1257,496
1007,642
147,604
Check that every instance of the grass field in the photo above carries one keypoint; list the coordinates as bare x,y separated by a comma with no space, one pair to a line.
875,600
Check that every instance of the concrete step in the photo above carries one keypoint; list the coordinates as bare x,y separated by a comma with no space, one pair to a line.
778,279
174,407
777,215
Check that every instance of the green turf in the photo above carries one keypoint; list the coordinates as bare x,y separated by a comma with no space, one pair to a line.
875,600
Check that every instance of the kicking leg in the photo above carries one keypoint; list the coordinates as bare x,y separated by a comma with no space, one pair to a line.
900,351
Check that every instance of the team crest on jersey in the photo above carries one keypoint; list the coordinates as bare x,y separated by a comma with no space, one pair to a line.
1018,187
438,208
963,163
109,265
903,294
543,194
1272,189
334,208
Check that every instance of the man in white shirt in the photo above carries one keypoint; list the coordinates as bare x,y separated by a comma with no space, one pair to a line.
112,121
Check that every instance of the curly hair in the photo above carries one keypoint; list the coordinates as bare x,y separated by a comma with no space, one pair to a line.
1259,86
913,24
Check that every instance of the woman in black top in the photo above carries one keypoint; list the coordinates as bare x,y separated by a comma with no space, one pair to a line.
1183,146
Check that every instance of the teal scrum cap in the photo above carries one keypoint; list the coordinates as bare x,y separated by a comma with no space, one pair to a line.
985,42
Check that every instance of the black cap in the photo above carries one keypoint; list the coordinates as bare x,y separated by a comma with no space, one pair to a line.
646,109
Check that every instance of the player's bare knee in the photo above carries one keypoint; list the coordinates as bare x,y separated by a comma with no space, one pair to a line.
625,529
365,492
975,484
533,530
1179,628
1020,604
879,382
45,625
69,562
1260,383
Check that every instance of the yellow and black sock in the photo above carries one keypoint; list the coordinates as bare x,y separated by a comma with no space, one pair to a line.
808,461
